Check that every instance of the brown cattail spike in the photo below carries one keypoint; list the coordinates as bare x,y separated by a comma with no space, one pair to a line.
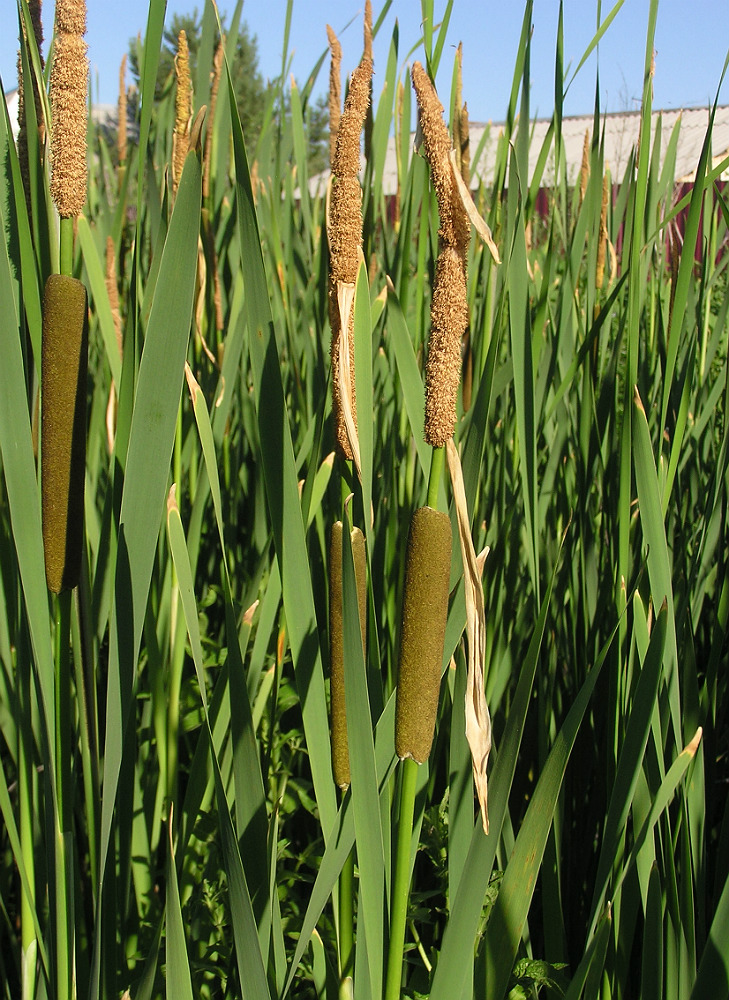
424,614
63,428
340,746
602,238
585,168
22,144
335,92
69,74
345,236
465,143
183,109
449,306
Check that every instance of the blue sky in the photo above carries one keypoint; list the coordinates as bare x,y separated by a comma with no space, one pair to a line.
691,44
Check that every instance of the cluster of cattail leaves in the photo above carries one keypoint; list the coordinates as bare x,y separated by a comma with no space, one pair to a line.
204,833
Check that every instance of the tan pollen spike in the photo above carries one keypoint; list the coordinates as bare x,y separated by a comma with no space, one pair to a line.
67,86
449,306
345,247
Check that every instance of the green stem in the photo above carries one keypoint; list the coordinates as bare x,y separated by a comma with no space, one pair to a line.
436,473
401,883
27,840
346,917
64,908
66,262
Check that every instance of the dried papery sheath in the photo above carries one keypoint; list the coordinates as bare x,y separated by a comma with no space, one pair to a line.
335,92
449,307
340,746
69,74
345,239
63,428
424,614
183,109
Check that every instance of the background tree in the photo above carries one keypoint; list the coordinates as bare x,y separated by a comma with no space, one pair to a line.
249,86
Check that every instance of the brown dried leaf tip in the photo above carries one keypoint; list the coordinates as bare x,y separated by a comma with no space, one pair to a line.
69,75
449,307
183,109
345,237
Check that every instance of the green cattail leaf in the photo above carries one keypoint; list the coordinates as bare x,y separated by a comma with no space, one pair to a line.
281,482
340,750
362,761
63,434
424,616
179,981
151,437
99,296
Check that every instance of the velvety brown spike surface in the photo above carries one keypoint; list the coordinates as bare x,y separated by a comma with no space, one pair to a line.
345,235
449,306
63,428
68,122
424,614
340,745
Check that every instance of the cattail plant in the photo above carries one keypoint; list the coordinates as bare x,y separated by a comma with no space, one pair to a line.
183,109
449,306
424,613
345,245
585,166
63,378
335,92
340,749
22,144
121,136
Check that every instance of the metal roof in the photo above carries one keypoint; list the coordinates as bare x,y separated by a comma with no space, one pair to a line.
620,131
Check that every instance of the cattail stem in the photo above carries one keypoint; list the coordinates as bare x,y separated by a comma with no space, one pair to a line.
64,900
401,881
436,474
66,259
346,917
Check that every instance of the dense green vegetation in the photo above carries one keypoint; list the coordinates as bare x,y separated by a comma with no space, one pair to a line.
170,825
